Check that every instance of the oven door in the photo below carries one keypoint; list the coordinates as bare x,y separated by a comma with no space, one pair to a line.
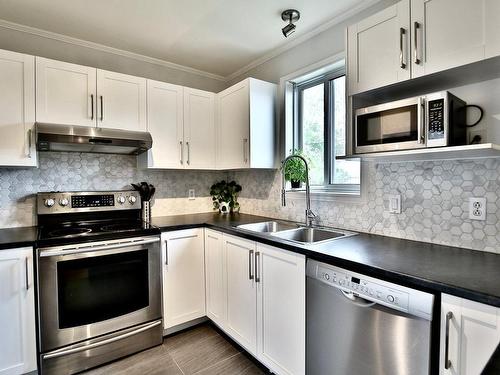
392,126
96,288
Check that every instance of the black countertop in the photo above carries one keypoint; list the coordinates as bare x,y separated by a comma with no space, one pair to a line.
17,237
470,274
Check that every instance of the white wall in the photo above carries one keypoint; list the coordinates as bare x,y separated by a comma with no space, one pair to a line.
18,41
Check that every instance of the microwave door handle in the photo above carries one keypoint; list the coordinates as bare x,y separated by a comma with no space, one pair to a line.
421,121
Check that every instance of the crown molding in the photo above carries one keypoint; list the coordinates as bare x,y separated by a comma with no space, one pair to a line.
100,47
152,60
302,38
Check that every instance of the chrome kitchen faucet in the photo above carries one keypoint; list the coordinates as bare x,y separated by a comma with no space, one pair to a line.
310,216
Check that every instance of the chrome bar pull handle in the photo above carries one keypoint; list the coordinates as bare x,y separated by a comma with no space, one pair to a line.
245,156
402,33
188,150
30,136
91,106
416,27
180,150
102,107
447,361
257,270
250,258
27,273
166,252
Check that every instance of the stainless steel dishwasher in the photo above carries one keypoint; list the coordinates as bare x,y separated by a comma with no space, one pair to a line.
359,325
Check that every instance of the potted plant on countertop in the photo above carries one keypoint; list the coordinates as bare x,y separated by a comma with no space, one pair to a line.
295,170
225,196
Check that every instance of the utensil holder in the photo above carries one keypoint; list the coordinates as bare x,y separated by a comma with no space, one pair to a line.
146,211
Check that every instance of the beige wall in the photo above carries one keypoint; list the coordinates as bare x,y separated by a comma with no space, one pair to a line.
14,40
326,44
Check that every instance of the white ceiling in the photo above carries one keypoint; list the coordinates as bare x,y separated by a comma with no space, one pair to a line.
215,36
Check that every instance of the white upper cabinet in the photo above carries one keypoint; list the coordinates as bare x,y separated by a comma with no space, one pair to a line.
199,129
378,49
121,102
17,109
165,123
65,93
427,36
448,33
17,312
470,333
246,125
492,28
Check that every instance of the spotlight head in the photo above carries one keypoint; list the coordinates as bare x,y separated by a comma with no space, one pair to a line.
291,16
288,29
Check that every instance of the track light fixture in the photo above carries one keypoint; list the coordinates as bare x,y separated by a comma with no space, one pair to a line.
291,16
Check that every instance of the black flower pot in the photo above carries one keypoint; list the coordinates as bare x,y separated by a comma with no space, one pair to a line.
295,184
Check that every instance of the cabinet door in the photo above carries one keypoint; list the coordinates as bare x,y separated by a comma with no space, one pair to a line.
378,49
17,109
452,33
65,93
281,305
165,123
199,129
215,277
233,121
121,101
474,334
17,312
183,276
241,323
492,20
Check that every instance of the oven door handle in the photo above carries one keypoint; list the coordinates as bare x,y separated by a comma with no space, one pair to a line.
77,250
60,353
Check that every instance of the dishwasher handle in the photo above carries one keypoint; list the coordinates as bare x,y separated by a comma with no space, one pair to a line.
356,300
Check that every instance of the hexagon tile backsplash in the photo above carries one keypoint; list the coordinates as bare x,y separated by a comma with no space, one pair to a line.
79,171
434,198
434,195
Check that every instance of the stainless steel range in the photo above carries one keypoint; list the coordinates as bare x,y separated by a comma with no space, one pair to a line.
99,279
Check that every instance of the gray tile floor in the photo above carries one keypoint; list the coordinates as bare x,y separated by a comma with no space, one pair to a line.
200,350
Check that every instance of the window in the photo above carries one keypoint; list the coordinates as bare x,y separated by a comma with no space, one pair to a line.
320,132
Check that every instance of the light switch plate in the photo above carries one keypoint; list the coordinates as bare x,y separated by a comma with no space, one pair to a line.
191,194
393,203
477,208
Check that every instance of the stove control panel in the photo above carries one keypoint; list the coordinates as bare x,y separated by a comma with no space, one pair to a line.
79,201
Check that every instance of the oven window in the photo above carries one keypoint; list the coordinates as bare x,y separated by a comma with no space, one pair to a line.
98,288
391,126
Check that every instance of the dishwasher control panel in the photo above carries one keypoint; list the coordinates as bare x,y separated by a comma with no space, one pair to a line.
360,286
379,291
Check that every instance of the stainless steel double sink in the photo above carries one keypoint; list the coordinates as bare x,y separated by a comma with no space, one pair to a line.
295,233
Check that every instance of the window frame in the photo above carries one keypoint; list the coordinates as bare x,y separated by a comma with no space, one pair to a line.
329,130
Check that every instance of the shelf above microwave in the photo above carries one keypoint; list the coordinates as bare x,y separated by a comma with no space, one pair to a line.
477,151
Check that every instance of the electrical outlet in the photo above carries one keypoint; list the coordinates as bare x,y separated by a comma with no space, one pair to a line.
393,203
477,208
191,194
472,133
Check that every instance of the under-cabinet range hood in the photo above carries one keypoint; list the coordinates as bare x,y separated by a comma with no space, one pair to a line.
70,138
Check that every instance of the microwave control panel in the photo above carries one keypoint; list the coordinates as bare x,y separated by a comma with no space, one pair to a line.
436,119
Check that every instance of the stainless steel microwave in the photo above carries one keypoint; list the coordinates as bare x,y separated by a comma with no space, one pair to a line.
432,120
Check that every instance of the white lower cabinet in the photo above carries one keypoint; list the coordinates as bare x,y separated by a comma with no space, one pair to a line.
215,271
241,323
183,262
17,312
281,305
266,303
470,333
